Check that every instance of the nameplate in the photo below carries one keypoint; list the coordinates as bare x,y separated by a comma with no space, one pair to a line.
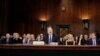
53,43
38,43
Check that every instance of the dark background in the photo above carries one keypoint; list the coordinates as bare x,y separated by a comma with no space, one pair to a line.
24,52
23,15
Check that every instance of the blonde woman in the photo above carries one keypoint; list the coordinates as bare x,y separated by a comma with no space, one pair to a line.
16,38
32,36
70,40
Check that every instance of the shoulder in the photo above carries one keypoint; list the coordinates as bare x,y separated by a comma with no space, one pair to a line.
46,35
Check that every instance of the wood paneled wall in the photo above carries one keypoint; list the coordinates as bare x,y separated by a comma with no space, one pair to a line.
24,15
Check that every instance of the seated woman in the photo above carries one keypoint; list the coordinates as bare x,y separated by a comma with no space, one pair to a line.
69,40
17,39
83,40
40,37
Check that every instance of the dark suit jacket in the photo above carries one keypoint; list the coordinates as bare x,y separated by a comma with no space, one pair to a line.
18,41
84,42
90,42
54,39
4,41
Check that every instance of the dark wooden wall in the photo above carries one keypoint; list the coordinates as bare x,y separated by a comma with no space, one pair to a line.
23,15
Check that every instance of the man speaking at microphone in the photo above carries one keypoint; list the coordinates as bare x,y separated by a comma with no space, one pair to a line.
50,38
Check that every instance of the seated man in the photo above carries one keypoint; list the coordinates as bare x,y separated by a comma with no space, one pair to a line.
93,40
6,39
28,39
50,37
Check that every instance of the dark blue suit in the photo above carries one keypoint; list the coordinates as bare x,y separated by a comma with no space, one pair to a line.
4,41
54,39
90,42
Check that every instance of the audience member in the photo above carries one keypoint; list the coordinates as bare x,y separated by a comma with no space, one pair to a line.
84,40
40,37
24,41
93,39
70,40
51,38
6,39
16,38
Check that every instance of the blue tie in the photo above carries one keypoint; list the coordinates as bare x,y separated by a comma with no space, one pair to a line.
94,42
50,39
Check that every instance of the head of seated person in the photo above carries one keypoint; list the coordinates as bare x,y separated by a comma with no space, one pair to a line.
8,36
70,40
16,36
28,36
92,36
86,37
32,37
40,37
65,38
70,37
24,36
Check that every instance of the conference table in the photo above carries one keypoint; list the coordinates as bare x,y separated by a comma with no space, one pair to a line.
49,47
59,50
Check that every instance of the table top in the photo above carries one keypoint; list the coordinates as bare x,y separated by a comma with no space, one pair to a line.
49,47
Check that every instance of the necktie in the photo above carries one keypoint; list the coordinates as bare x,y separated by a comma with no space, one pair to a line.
28,42
50,39
7,41
94,42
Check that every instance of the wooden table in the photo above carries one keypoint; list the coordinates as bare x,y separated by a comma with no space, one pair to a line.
32,50
48,47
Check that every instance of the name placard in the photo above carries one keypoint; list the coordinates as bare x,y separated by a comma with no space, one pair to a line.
38,43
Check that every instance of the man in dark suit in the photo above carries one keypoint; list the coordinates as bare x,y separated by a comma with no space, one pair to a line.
93,40
7,39
50,37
